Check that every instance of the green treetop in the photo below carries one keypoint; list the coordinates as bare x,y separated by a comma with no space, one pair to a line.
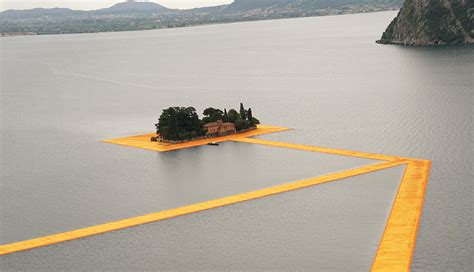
243,114
178,123
183,123
212,115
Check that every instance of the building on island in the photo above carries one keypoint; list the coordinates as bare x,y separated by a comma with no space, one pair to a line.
219,128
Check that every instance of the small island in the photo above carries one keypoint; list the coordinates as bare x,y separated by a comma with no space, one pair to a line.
182,124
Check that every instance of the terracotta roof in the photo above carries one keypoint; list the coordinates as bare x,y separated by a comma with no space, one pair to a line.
213,124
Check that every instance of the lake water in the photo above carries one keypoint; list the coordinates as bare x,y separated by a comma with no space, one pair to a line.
333,227
325,77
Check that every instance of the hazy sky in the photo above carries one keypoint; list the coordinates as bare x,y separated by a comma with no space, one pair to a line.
95,4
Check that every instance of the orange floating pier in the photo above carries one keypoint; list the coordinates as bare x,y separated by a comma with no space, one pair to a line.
153,217
144,142
396,246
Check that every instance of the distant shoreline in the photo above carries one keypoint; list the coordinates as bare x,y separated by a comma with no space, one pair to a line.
243,20
14,34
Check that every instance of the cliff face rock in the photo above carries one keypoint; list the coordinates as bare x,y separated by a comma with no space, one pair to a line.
428,22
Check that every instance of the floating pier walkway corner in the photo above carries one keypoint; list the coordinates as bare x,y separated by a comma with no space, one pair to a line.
397,243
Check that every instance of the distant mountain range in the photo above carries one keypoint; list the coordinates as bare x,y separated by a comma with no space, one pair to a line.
149,15
134,7
36,13
123,8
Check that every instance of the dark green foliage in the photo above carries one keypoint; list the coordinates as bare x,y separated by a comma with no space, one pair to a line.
183,123
242,111
225,117
241,124
179,123
212,115
233,115
255,121
250,119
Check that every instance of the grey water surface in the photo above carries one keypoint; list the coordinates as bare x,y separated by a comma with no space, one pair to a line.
121,182
332,227
324,76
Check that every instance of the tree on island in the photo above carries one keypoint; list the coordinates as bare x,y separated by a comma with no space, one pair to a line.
183,123
249,117
225,117
179,123
252,120
212,115
232,115
243,114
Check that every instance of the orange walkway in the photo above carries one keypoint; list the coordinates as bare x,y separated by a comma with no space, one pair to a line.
396,248
80,233
143,141
397,243
319,149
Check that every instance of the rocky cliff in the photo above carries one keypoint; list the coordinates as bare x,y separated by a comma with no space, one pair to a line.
428,22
